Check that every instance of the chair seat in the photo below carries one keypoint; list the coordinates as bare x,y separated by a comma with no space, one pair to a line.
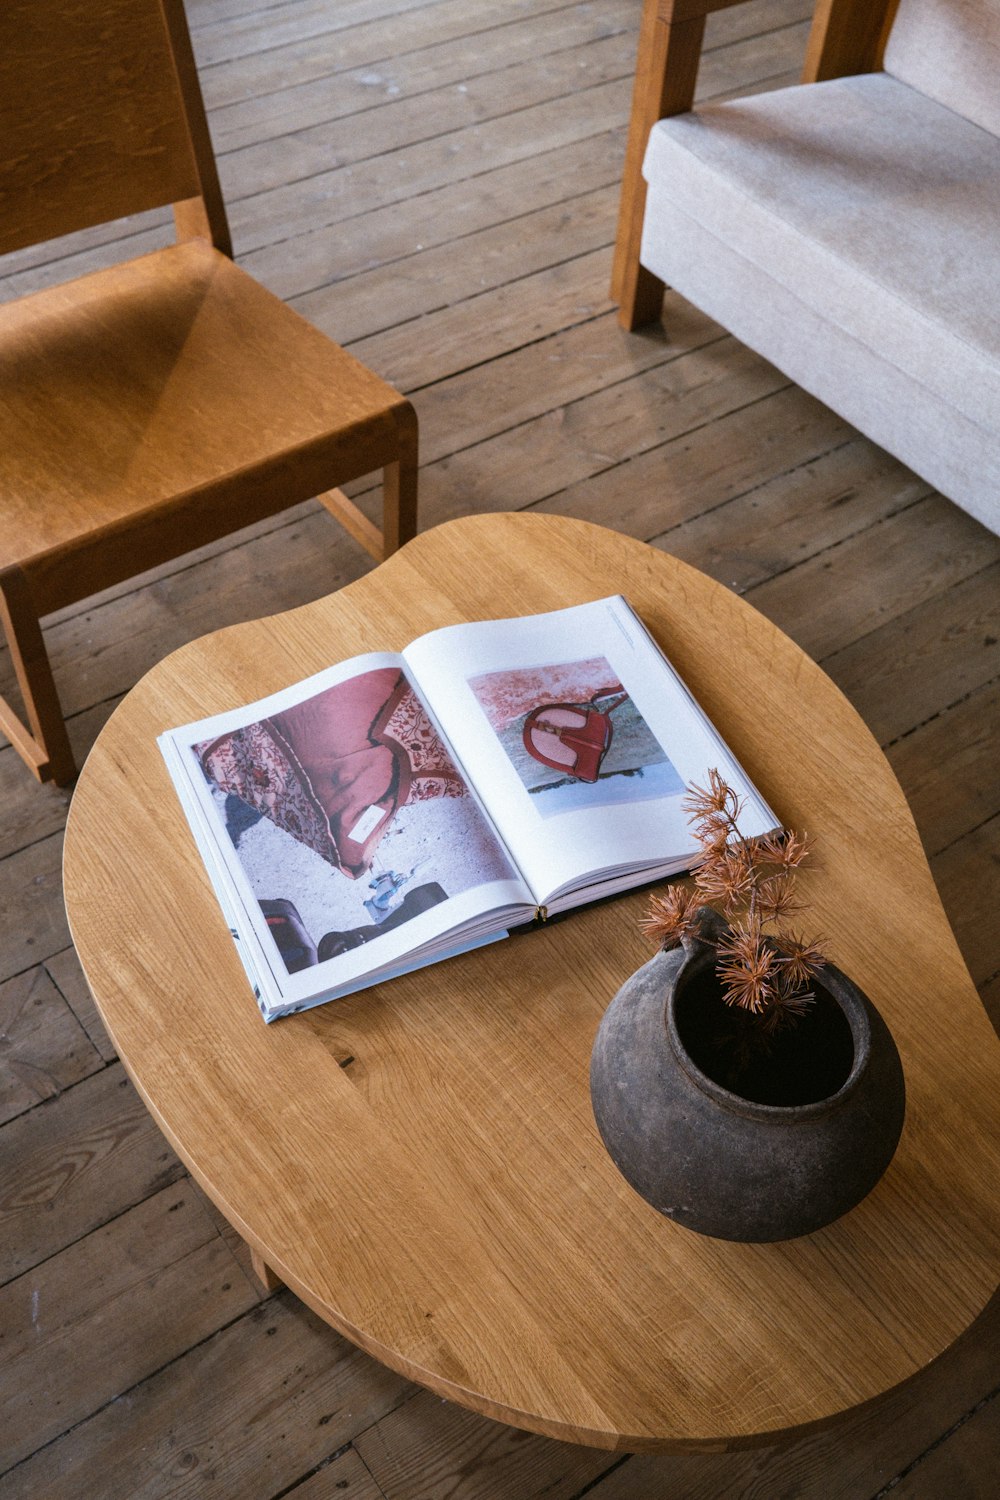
848,230
149,391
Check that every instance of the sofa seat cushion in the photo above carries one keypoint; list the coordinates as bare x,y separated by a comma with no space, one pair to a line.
875,208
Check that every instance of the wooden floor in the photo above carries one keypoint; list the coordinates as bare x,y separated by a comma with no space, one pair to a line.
434,184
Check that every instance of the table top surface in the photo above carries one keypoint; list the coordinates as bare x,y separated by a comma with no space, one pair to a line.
444,1199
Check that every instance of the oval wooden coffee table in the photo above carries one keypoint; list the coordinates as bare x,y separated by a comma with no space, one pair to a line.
419,1163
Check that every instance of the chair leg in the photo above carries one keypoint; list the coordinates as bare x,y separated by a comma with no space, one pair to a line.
399,486
665,77
45,746
354,522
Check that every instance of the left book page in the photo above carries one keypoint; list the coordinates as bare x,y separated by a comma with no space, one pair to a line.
343,841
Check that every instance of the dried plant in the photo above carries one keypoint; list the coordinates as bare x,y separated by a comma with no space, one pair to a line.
764,967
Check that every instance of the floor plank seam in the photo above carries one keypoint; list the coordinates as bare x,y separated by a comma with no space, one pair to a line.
947,588
263,10
720,505
51,1099
625,79
136,1385
405,200
165,1181
305,38
746,493
897,1479
417,140
851,536
124,240
470,177
355,163
989,980
498,23
947,708
45,838
600,1478
489,359
603,248
670,356
401,260
993,818
39,963
325,1464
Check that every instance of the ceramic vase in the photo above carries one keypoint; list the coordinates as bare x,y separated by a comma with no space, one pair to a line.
788,1142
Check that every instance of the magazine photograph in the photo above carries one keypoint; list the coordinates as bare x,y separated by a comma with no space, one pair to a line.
394,810
574,736
348,816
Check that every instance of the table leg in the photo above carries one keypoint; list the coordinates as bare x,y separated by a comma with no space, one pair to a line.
267,1278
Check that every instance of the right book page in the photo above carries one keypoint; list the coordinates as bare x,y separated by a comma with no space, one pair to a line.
580,739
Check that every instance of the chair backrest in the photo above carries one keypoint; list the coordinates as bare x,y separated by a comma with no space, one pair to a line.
100,116
950,51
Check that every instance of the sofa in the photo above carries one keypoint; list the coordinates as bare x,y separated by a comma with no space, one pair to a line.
846,228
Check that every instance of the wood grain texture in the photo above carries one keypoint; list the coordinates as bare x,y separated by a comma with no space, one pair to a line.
80,1161
91,1294
848,36
445,1201
45,1048
91,120
275,1394
65,972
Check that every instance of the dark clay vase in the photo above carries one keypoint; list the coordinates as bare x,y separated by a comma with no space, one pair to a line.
786,1143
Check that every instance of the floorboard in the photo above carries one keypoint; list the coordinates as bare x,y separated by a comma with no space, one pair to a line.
434,183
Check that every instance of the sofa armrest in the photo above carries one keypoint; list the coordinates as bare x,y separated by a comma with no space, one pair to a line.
847,37
670,41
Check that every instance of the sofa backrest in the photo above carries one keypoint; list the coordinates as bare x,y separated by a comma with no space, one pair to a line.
950,51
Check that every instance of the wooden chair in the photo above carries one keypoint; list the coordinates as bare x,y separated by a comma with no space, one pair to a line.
847,230
151,408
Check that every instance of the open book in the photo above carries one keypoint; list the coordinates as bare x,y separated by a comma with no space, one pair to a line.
394,810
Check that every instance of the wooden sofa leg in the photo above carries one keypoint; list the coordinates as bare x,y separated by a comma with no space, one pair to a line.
45,747
665,78
640,300
399,486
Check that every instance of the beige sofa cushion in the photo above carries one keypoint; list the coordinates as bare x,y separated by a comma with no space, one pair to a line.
874,206
950,51
958,457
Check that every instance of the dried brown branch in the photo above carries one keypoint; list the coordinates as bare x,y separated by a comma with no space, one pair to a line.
764,968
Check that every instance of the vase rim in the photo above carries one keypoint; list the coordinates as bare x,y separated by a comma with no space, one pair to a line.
841,990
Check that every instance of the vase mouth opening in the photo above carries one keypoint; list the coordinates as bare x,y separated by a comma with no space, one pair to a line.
804,1069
